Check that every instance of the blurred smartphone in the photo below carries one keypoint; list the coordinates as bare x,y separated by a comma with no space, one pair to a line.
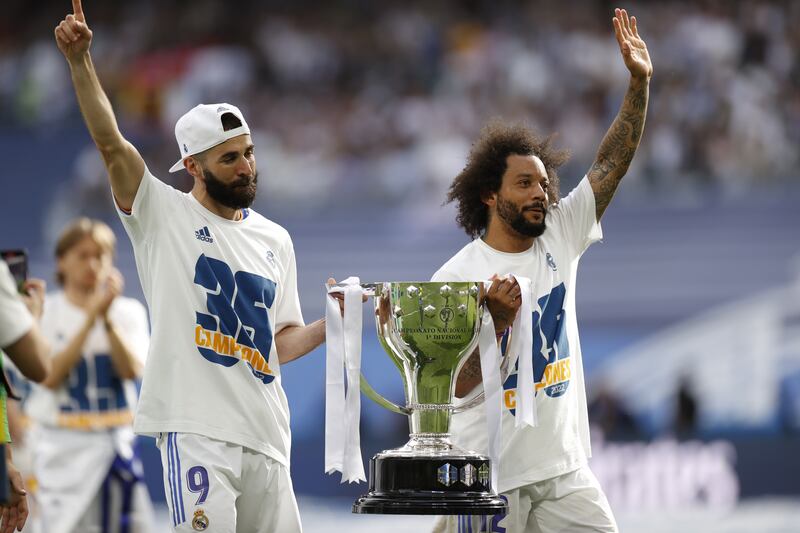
17,261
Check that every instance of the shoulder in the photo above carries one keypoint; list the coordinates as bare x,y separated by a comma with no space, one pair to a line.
53,301
581,195
55,310
268,227
6,281
458,262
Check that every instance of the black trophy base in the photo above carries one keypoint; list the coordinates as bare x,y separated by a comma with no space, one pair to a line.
426,485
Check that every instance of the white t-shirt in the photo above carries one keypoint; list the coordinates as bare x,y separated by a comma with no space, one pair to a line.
560,443
15,320
86,422
218,290
92,397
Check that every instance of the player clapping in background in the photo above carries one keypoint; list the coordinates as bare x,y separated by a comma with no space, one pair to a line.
88,476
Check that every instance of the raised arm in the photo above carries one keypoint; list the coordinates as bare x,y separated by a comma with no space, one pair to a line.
620,142
125,165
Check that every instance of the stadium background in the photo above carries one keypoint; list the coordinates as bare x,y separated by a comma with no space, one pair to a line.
362,114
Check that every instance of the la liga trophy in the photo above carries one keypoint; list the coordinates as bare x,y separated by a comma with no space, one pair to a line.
429,330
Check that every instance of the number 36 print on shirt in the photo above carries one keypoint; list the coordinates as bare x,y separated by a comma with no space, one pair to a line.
236,326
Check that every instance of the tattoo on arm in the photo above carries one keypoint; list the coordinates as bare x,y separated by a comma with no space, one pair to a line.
472,368
470,375
619,145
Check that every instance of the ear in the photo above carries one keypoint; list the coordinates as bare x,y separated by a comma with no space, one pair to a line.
193,167
60,267
489,198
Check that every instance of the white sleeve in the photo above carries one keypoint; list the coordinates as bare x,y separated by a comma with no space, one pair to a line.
287,306
575,218
15,320
150,206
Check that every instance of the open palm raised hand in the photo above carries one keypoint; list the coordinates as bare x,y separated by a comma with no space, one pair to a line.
73,35
634,51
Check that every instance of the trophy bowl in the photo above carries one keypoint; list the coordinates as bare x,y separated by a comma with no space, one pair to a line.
429,330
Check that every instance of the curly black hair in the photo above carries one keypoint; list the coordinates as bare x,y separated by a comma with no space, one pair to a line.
486,164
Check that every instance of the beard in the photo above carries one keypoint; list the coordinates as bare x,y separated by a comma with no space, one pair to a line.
236,195
515,217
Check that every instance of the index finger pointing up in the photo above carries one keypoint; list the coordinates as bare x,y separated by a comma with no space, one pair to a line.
77,10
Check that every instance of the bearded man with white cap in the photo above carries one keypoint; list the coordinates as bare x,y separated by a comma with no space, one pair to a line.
221,285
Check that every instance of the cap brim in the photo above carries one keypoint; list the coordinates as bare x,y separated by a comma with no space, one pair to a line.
177,166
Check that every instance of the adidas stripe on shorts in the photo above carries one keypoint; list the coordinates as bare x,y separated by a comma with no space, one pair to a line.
217,486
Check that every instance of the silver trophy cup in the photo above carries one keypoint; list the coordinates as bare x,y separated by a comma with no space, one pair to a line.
429,330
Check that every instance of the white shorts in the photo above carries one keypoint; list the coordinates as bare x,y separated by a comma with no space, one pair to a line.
217,486
573,502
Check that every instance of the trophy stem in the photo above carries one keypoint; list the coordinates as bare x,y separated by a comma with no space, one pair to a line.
430,420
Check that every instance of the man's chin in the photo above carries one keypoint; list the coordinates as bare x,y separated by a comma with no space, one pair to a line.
530,230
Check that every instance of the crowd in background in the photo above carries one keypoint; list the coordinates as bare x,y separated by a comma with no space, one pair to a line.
383,99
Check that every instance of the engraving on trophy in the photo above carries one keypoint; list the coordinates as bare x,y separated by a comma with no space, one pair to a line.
447,474
430,311
412,291
483,474
445,290
446,315
468,475
462,310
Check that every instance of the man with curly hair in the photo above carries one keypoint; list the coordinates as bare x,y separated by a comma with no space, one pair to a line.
508,200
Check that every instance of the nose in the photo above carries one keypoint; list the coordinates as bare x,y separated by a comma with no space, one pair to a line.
245,167
539,192
95,264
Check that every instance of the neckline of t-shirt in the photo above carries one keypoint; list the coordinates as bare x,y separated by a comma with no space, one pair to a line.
511,255
203,209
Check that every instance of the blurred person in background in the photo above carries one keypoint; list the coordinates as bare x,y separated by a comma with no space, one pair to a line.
508,197
686,409
89,478
27,348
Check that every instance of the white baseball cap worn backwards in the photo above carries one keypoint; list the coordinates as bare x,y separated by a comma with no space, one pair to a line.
201,128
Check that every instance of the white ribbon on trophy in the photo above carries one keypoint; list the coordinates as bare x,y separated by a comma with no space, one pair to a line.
521,349
492,390
343,367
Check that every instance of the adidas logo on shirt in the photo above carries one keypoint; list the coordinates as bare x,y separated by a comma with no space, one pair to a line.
204,235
